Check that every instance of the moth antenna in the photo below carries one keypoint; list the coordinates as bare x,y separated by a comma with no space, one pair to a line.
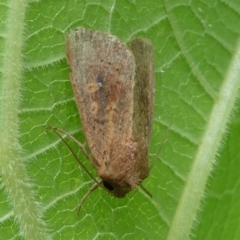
55,129
145,190
160,147
93,187
81,146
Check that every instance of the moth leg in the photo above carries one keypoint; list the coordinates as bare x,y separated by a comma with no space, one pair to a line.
160,146
81,146
94,186
145,190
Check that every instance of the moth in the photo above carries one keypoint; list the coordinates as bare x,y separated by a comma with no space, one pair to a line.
114,89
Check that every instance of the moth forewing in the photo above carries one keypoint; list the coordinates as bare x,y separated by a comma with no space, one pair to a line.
143,103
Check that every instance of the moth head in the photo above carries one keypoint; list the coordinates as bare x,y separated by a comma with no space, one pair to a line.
118,188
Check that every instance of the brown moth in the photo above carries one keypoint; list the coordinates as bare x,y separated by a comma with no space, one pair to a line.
114,91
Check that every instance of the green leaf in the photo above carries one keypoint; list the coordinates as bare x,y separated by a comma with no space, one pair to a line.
194,182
